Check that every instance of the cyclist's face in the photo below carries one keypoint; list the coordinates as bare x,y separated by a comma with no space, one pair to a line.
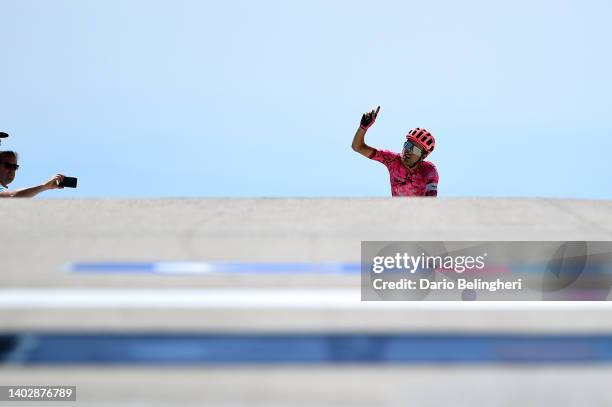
409,158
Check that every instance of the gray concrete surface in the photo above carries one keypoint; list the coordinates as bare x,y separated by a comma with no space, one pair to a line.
39,238
426,385
42,237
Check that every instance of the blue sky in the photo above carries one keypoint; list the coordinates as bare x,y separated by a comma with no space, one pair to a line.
241,98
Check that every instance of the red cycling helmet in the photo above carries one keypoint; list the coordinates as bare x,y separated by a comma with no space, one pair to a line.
422,136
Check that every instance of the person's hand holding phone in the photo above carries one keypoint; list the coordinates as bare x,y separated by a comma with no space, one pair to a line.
54,182
60,181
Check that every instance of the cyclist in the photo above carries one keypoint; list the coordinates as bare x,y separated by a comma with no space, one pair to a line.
409,173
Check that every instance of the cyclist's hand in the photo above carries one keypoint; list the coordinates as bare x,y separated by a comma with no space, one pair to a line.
369,118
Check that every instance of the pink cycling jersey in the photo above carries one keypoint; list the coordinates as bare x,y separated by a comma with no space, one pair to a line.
421,180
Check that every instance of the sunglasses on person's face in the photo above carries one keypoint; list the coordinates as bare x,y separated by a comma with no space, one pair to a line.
11,166
408,146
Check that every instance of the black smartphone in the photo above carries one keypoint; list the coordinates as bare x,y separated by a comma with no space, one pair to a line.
68,182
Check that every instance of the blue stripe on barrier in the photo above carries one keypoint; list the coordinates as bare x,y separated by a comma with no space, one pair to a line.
201,267
309,349
181,267
109,267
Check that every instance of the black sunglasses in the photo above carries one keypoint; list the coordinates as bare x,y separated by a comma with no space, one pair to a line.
11,166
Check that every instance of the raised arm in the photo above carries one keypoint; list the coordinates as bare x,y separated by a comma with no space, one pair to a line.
359,144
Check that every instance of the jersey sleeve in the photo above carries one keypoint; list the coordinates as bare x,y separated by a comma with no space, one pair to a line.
385,156
431,183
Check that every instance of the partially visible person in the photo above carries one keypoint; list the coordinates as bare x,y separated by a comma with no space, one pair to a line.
409,173
8,168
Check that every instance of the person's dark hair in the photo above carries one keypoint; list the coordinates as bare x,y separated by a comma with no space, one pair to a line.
8,153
